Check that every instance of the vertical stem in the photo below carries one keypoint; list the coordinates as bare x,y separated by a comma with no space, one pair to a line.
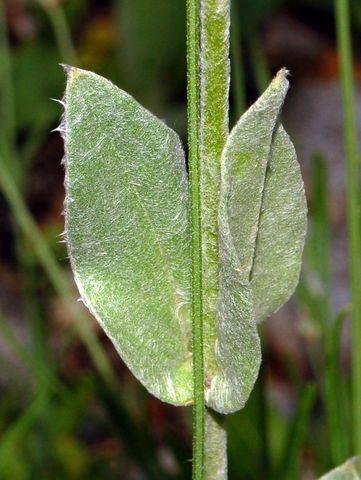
8,136
214,88
353,207
259,62
263,419
6,77
335,404
208,85
215,467
193,35
61,31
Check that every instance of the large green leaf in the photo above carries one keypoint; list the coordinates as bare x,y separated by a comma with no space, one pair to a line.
128,232
262,224
350,470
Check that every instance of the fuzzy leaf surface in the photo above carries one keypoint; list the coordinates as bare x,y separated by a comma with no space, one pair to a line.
350,470
262,224
264,201
127,230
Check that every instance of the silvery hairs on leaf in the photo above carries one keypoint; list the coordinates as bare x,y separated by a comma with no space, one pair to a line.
350,470
128,235
262,225
127,230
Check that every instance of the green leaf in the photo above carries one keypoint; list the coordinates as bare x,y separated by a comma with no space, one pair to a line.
262,223
129,239
127,230
350,470
282,229
263,200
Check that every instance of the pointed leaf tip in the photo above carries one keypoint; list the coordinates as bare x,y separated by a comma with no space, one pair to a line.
283,73
350,470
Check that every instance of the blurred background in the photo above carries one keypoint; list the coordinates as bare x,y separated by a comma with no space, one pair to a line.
69,408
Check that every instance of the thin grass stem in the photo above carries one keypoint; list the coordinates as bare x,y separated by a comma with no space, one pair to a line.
61,31
334,404
7,97
18,430
353,206
259,62
55,275
296,435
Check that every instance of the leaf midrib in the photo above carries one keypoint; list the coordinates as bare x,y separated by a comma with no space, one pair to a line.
262,197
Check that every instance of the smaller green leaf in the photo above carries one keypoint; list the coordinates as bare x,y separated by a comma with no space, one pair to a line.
262,225
264,201
350,470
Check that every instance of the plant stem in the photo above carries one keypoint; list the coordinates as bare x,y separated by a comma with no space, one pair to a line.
6,77
353,207
193,34
214,89
259,61
208,85
215,465
335,407
8,136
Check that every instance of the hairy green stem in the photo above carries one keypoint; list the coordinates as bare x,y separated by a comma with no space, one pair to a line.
353,207
208,85
214,67
193,33
215,465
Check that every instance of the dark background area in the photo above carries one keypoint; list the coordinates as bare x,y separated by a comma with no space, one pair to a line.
63,414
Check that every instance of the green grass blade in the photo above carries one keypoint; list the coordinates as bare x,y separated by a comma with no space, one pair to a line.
343,30
258,61
296,436
335,407
61,30
18,431
56,276
6,84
